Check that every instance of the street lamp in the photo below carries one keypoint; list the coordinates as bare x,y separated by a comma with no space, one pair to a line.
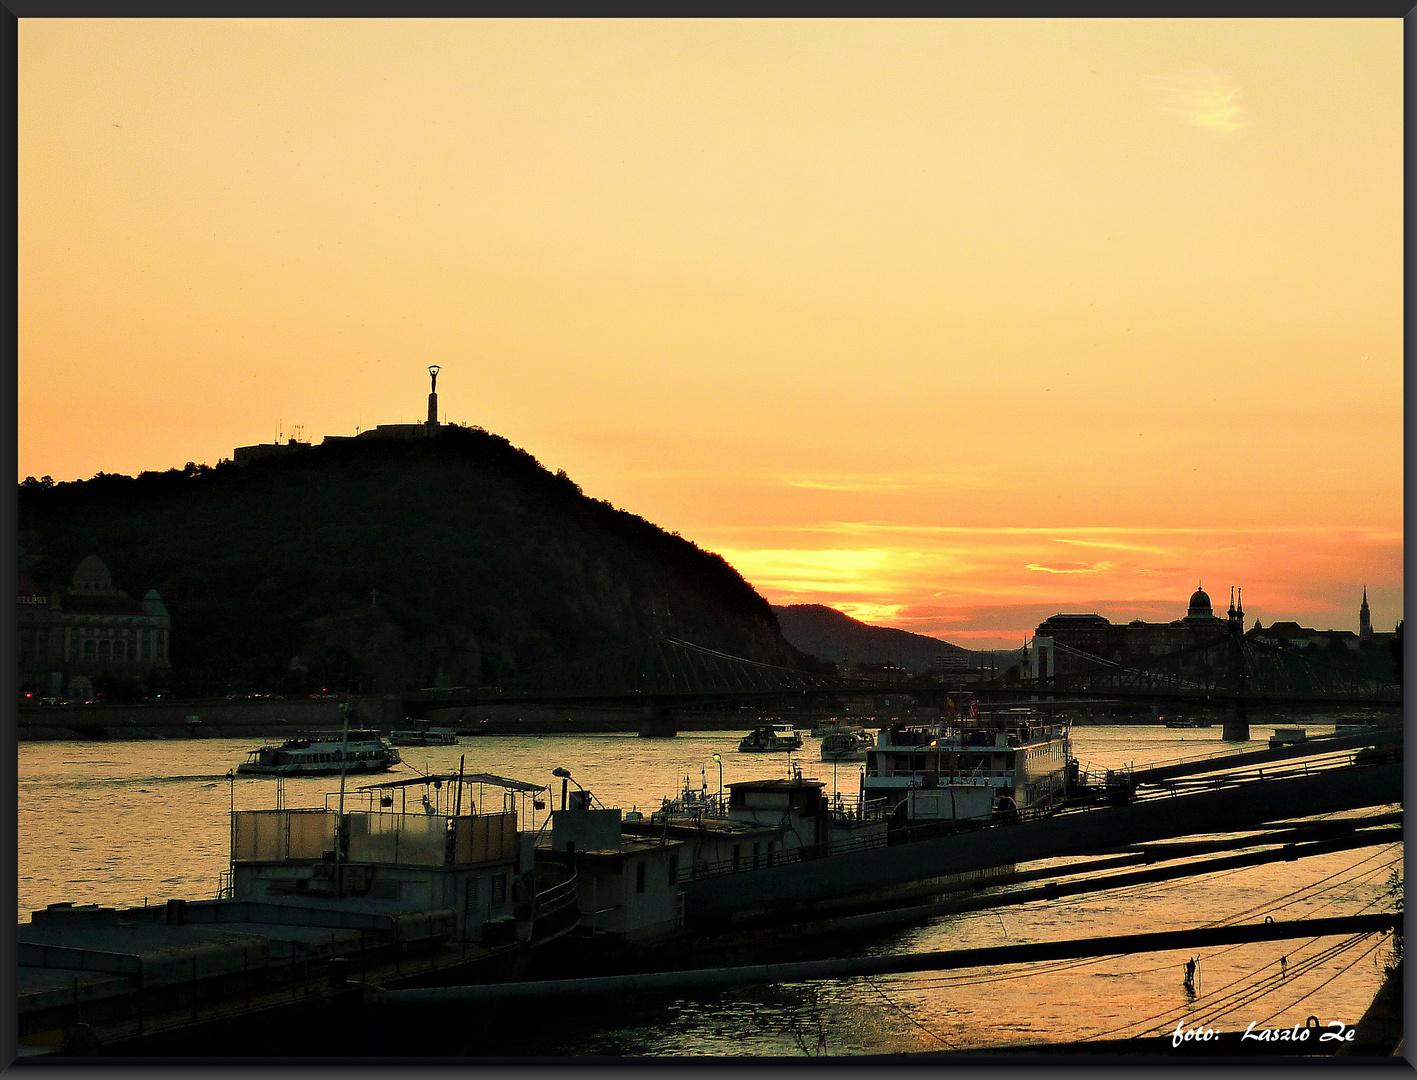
566,777
719,759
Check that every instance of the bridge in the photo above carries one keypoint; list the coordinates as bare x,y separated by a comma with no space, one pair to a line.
667,672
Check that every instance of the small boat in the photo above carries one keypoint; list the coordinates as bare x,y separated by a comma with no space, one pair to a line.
823,728
1287,736
846,746
424,737
322,755
770,739
1180,722
1352,723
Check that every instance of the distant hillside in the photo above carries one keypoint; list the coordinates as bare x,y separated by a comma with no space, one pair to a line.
829,635
384,565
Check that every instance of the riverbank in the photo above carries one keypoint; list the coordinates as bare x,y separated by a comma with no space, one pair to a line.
278,719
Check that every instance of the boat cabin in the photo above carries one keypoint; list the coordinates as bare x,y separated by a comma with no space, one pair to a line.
456,850
966,769
627,884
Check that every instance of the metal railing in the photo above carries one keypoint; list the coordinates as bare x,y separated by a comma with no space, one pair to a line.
555,898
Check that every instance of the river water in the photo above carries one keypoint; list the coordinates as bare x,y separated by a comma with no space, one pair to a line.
127,823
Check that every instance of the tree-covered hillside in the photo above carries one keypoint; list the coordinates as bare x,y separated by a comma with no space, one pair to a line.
381,565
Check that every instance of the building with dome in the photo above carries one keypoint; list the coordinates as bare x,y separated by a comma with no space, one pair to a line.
1060,636
92,629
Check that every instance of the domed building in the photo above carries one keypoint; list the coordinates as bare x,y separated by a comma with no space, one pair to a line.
1060,637
68,639
1200,606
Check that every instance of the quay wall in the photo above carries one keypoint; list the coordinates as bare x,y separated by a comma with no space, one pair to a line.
277,718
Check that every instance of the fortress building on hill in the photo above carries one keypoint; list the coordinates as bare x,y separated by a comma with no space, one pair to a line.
244,455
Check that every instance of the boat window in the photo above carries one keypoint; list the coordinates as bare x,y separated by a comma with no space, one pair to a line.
640,876
736,855
499,889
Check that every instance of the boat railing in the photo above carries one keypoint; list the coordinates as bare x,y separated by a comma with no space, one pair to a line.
556,897
746,862
945,778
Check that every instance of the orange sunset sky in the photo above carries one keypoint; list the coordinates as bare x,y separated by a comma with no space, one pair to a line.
949,325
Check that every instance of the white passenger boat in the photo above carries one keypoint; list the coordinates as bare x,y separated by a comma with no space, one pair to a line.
770,739
424,737
322,755
845,745
1287,736
823,728
969,768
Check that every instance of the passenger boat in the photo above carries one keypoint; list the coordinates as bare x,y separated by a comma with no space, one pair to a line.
845,746
770,739
969,768
822,728
424,737
1287,736
322,755
1180,722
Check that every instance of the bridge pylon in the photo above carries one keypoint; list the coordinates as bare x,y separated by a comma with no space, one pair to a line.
656,721
1237,724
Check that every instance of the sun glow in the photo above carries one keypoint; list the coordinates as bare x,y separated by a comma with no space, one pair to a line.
962,323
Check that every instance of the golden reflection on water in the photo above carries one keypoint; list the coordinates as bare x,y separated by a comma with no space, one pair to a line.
128,822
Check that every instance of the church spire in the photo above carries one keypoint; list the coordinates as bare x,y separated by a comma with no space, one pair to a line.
1365,619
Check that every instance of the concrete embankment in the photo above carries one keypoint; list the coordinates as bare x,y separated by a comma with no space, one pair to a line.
279,718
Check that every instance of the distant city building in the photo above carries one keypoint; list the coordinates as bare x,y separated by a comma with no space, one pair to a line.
1060,636
1292,635
92,629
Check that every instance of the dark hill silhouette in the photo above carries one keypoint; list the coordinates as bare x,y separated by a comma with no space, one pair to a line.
380,565
827,634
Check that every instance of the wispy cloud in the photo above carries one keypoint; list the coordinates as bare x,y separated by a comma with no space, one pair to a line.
1071,568
846,482
1204,99
1115,545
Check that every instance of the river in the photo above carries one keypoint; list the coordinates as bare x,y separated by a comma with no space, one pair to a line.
127,823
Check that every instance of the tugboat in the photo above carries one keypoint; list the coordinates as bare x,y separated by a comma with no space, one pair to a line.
770,739
322,755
